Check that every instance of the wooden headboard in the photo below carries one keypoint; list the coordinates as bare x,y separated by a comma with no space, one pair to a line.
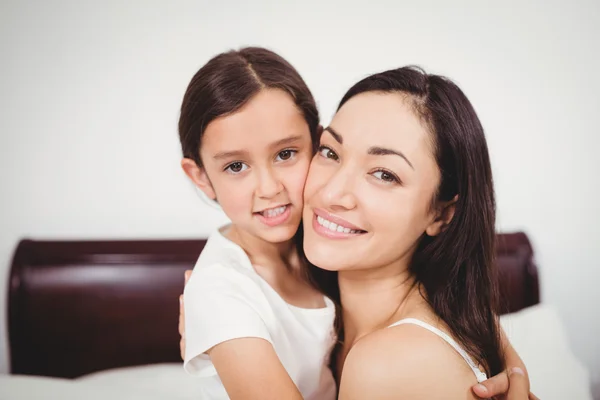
77,307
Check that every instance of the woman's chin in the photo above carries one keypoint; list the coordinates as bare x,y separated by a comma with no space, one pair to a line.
323,257
325,266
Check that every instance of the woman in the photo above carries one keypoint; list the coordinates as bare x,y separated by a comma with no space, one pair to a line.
399,202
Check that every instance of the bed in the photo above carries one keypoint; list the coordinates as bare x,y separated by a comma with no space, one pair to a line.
98,319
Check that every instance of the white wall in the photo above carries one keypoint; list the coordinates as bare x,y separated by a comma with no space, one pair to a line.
90,93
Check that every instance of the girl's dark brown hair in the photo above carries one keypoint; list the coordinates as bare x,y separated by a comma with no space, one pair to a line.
227,82
456,268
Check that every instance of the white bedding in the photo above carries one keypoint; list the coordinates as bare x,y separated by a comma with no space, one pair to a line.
15,387
160,381
536,333
540,339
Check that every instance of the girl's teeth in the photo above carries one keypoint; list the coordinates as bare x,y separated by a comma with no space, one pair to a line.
332,226
273,212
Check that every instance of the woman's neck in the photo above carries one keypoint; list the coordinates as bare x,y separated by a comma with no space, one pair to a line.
371,299
262,252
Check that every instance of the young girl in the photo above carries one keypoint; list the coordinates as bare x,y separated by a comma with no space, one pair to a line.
255,328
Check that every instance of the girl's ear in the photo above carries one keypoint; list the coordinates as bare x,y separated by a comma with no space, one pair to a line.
199,177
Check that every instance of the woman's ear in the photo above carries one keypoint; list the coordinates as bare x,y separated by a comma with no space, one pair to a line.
444,214
198,176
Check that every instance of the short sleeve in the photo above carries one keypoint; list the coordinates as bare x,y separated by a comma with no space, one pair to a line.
220,305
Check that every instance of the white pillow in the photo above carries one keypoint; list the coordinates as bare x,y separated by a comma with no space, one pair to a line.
540,339
160,381
23,387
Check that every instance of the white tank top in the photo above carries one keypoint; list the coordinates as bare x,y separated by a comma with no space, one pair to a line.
479,374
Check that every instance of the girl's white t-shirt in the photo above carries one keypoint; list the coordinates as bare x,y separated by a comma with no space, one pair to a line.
226,299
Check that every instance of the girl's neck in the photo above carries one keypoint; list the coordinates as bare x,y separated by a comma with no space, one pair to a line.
262,252
373,299
279,265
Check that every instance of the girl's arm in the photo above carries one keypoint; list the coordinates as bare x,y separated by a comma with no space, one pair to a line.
249,368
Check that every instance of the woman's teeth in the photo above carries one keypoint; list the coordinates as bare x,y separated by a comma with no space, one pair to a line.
332,226
273,212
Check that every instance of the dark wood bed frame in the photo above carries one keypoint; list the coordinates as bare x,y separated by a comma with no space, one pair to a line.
77,307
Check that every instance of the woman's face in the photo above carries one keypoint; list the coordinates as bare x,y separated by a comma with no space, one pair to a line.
370,186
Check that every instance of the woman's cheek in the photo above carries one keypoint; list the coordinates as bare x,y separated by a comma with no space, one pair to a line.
312,181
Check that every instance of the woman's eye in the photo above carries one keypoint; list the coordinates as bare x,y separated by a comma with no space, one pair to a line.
236,167
326,152
386,176
285,155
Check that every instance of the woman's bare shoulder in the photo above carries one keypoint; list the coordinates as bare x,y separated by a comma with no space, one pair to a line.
405,361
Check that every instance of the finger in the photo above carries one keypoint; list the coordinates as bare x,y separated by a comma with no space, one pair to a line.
187,275
181,325
533,396
182,349
494,386
518,385
182,309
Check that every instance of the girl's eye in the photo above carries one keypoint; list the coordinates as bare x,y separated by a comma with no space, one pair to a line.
285,155
236,167
386,176
326,152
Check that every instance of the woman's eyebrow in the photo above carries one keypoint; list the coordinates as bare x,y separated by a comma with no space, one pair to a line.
374,150
382,151
338,138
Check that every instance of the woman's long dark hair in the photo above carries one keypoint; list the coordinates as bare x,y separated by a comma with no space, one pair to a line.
455,268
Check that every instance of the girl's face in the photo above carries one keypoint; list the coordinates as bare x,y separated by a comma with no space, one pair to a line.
368,195
255,163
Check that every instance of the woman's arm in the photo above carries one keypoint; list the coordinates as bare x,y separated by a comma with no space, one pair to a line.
405,362
414,367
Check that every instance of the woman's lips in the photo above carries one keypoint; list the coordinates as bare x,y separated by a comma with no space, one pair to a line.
334,227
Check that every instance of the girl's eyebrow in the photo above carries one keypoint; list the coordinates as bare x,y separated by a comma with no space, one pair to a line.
241,153
287,140
229,154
